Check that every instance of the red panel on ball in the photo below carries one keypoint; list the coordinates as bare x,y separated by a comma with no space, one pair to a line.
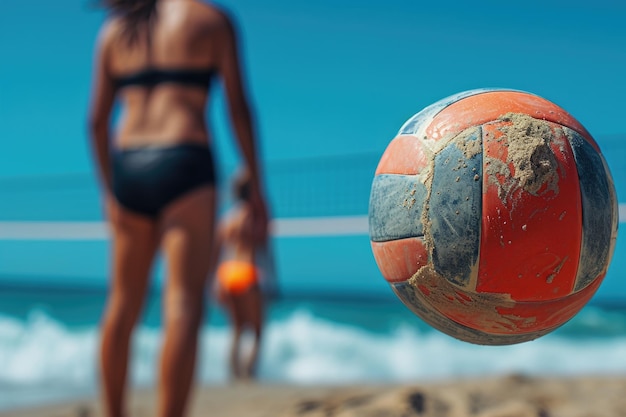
497,314
405,155
486,107
550,314
399,259
530,239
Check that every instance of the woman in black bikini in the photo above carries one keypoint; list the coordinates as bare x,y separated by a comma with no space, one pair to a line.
159,57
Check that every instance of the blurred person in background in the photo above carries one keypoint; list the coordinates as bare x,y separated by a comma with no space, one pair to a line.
159,58
245,276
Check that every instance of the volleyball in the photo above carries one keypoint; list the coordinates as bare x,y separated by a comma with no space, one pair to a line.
493,216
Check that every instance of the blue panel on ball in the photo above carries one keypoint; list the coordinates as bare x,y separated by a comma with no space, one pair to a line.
598,207
396,205
455,210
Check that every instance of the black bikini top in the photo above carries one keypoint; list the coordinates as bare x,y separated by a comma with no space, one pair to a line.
152,76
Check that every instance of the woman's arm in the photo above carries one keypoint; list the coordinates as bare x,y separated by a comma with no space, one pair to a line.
102,99
241,118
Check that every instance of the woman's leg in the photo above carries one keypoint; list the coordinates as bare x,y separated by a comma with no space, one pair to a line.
255,318
134,242
246,313
187,236
235,305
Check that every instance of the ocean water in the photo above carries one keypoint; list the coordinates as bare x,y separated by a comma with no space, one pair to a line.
49,343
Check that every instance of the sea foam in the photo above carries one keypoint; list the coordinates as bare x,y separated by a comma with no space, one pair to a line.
42,359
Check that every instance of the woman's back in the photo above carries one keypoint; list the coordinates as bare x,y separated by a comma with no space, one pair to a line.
163,74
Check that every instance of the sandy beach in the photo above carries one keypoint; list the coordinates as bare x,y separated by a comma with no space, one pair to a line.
504,396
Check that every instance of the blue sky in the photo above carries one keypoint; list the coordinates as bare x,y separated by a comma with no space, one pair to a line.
326,77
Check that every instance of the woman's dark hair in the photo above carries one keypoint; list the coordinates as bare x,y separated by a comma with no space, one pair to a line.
136,14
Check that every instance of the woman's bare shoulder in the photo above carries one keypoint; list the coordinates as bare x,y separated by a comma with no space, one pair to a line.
214,15
110,30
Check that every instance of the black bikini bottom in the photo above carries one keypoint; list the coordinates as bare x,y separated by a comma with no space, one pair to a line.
148,179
